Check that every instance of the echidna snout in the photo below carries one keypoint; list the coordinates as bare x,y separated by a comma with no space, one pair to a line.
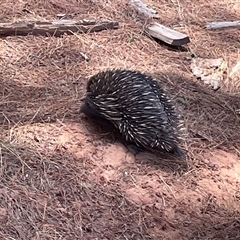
136,105
89,108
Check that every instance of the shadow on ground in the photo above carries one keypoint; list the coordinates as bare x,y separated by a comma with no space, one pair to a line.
50,195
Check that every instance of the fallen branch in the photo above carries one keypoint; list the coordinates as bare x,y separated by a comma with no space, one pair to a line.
166,34
142,8
55,27
217,25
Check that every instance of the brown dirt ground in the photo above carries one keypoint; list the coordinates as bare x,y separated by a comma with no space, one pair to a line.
62,177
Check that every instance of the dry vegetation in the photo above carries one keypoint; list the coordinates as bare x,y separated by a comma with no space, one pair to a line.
61,177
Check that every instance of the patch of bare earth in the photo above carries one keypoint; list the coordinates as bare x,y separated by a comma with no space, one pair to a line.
62,176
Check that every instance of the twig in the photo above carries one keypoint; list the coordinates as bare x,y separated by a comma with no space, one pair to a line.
217,25
55,27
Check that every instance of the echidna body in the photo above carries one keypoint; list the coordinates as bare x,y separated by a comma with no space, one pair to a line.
137,107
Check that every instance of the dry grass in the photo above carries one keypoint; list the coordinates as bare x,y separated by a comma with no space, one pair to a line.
50,197
61,178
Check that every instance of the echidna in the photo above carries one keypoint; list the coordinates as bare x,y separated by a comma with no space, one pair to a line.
136,105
